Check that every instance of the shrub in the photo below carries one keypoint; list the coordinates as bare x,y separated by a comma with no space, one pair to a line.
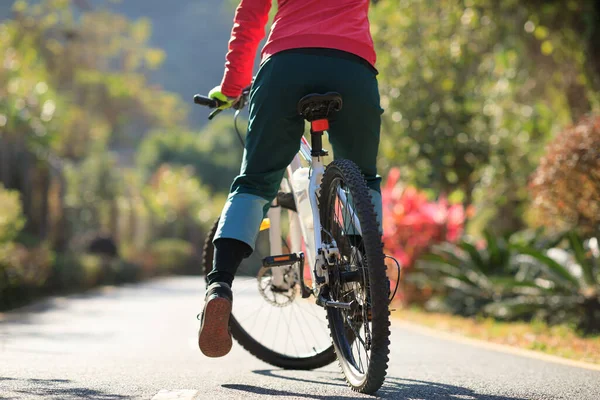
510,280
174,255
180,205
566,185
11,215
412,223
125,271
74,272
23,271
32,266
215,153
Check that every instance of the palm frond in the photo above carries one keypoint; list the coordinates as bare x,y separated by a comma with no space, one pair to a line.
562,276
586,262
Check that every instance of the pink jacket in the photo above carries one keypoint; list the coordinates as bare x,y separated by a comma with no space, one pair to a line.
335,24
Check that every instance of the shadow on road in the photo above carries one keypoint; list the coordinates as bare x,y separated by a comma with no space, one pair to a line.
272,373
394,388
54,388
397,388
283,393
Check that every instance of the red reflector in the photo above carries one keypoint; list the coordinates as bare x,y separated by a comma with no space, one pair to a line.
320,125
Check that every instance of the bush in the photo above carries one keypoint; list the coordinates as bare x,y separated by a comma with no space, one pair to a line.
412,224
23,272
215,153
125,271
11,215
566,185
180,205
510,280
93,188
174,256
73,272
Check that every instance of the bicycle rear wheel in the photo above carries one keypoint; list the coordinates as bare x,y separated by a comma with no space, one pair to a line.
360,335
281,329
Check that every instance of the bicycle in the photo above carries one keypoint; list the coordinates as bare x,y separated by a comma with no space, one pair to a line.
331,218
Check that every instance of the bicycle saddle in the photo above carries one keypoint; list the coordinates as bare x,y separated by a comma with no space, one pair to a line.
319,106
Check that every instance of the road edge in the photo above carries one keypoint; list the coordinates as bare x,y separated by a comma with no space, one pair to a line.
502,348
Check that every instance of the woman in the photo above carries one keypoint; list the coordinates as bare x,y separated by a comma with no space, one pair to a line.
315,46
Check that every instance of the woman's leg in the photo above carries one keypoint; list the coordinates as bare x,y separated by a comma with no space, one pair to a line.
273,139
355,130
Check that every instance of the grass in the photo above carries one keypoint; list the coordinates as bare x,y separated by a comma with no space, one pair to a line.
560,340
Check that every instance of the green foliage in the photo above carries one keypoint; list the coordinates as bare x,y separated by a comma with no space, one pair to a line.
215,153
74,272
473,89
174,255
93,187
11,215
23,271
73,87
96,63
21,268
563,285
470,277
511,280
178,202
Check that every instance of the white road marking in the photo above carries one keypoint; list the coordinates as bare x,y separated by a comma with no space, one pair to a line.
175,395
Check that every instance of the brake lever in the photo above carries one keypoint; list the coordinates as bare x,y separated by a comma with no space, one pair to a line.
214,114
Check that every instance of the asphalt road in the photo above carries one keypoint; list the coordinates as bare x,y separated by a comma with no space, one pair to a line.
139,342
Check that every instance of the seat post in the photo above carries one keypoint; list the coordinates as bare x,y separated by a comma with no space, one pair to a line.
317,127
316,144
316,109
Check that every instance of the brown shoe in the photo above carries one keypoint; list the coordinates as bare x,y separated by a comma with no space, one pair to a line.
214,337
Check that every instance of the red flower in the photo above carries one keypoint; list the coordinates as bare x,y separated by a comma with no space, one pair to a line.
412,224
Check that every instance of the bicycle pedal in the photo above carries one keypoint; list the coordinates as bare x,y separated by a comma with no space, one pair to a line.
281,260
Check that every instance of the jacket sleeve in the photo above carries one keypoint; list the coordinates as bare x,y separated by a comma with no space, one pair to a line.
248,30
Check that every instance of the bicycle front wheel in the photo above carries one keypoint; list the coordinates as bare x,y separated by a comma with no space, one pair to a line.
361,333
279,328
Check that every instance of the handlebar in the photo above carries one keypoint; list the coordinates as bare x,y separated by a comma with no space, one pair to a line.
214,103
206,101
210,103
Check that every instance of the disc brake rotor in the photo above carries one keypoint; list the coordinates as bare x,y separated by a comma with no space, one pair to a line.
274,296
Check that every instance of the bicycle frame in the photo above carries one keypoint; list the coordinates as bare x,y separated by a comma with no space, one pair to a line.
298,231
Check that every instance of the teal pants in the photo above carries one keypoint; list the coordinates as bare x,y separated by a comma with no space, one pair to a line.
275,130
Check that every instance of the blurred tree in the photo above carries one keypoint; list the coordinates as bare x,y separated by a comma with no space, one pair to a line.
181,207
215,153
97,59
575,27
94,186
72,82
473,89
11,217
566,185
28,126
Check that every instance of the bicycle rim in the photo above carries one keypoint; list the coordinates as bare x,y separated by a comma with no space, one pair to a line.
360,336
282,329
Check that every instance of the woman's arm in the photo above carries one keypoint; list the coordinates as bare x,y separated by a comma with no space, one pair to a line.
248,30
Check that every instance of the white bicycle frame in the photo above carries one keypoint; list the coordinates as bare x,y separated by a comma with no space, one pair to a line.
299,232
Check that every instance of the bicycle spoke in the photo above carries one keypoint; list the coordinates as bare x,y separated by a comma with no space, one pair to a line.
307,324
301,329
289,333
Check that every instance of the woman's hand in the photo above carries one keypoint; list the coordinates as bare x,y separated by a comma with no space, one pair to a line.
226,101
